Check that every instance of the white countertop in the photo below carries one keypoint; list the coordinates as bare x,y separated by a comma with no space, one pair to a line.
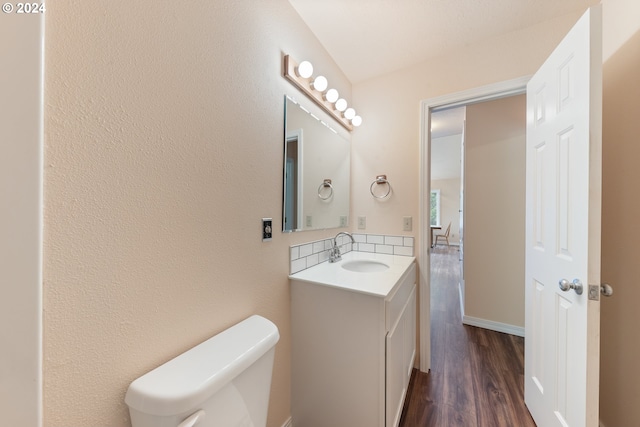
374,283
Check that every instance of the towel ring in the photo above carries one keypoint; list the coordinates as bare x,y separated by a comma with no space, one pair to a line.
380,179
326,183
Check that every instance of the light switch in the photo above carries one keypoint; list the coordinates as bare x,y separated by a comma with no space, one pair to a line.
267,229
362,222
407,223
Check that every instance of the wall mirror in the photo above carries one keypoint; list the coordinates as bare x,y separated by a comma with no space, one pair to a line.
316,170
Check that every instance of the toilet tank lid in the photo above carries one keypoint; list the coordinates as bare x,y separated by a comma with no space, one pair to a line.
195,375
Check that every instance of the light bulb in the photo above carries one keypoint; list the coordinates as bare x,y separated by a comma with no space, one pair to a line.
356,121
341,104
320,83
305,69
331,95
349,113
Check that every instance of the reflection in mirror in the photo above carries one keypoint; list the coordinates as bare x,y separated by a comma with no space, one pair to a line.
316,170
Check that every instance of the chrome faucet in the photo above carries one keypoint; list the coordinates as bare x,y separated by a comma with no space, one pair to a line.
334,253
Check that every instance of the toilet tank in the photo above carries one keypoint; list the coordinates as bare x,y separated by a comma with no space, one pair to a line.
222,382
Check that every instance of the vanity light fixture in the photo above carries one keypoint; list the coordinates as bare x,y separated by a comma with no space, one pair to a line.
331,95
320,83
304,69
349,113
300,75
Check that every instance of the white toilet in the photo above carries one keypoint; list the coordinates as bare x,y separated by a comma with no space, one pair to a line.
222,382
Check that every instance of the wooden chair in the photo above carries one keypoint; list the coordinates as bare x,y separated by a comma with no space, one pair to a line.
444,236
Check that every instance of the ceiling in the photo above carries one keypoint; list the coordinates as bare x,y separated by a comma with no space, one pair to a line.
368,38
447,122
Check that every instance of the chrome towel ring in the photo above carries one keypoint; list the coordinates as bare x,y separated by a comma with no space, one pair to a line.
380,180
325,184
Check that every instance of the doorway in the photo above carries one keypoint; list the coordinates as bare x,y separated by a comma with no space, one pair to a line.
486,93
447,185
494,139
293,186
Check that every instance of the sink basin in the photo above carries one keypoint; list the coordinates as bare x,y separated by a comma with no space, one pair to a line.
365,266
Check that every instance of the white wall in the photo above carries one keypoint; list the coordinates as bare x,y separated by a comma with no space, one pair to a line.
20,219
449,207
445,176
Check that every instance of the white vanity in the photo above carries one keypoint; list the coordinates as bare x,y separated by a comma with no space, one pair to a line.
353,340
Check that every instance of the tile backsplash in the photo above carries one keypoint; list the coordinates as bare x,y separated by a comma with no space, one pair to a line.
309,254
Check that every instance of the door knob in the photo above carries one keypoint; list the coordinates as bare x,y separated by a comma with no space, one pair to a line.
606,290
576,285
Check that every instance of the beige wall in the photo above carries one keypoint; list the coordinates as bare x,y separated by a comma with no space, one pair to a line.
389,142
161,122
163,150
389,139
620,317
20,216
495,137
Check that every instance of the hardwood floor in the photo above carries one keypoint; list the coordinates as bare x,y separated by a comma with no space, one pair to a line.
477,375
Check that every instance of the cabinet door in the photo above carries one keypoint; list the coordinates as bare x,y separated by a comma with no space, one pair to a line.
395,371
401,352
409,339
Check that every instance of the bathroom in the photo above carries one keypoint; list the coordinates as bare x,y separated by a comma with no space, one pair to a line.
162,152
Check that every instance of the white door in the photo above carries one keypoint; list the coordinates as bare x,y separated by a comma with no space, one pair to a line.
563,198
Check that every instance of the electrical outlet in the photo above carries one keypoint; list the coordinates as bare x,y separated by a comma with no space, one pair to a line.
267,229
362,222
343,221
407,223
309,221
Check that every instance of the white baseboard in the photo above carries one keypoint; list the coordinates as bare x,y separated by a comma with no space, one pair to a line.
288,423
493,326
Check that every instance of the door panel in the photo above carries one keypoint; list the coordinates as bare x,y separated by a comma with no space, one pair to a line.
564,116
536,336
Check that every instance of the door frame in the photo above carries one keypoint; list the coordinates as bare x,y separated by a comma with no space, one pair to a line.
21,221
489,92
291,136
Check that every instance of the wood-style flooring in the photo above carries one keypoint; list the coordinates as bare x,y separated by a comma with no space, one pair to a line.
477,375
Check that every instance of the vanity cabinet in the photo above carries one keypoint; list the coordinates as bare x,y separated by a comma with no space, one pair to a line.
352,352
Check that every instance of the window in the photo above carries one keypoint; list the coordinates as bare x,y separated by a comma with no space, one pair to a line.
435,207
